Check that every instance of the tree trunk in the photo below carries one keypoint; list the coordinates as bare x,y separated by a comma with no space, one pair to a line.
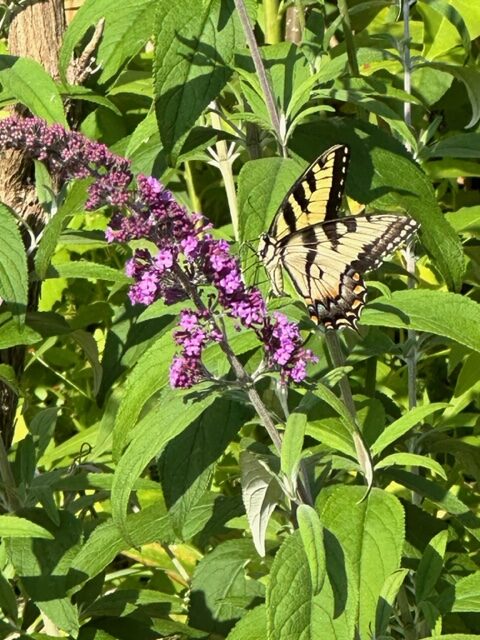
35,32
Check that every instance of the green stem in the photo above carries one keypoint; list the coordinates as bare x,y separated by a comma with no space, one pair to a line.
262,76
224,162
338,360
349,43
410,257
192,194
272,21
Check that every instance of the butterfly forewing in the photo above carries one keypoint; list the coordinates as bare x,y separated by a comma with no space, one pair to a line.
316,196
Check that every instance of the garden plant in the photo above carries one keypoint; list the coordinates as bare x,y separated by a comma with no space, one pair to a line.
185,454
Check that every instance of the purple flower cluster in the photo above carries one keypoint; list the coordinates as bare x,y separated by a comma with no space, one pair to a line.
186,260
283,347
69,154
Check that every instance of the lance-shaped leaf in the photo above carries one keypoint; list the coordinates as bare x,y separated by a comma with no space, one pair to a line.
261,494
13,265
195,43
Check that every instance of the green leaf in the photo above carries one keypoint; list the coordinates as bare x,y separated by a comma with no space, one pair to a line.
148,377
78,92
13,266
292,445
294,610
128,26
8,377
252,626
336,404
465,220
17,527
262,185
90,349
187,464
401,426
8,599
144,146
370,104
333,433
470,78
430,567
373,529
43,565
461,145
107,540
433,311
11,334
28,82
412,459
220,589
73,203
387,599
440,496
311,533
450,13
85,269
467,594
168,417
362,453
194,50
261,493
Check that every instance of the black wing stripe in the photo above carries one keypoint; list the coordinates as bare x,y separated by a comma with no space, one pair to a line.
316,196
340,167
326,269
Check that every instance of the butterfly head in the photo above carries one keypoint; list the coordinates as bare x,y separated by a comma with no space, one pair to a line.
266,248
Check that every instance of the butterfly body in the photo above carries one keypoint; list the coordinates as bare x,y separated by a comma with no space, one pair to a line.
325,256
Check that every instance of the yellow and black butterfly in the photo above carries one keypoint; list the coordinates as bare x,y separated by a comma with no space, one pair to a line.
324,256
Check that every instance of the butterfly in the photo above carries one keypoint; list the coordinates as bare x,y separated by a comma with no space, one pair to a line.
326,256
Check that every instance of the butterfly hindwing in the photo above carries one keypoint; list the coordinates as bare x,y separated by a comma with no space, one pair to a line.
326,261
316,196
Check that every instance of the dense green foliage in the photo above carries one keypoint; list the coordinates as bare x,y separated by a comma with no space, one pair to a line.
134,510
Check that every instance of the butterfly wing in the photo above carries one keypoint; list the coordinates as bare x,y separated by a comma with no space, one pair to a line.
326,262
316,196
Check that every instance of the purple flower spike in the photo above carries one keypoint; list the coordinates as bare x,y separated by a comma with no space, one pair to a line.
186,256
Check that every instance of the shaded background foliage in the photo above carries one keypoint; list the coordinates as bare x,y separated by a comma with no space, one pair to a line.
129,508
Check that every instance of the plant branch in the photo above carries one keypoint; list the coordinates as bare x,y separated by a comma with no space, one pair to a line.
410,258
262,75
349,43
244,379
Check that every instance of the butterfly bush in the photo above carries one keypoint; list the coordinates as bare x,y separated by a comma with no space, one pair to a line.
187,262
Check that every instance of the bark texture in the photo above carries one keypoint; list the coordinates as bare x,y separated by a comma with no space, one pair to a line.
35,32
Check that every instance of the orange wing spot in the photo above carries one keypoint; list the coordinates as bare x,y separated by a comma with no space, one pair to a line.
355,276
357,303
358,290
